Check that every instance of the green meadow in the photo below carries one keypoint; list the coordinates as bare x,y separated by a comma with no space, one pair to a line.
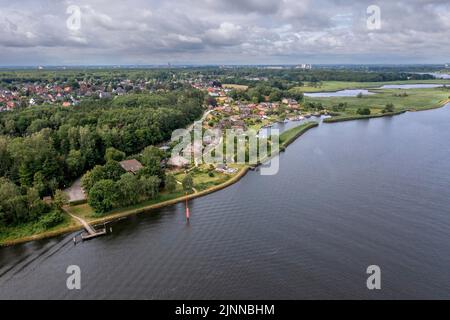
402,99
341,85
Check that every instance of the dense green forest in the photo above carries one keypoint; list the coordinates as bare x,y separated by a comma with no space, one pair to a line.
285,78
44,148
10,78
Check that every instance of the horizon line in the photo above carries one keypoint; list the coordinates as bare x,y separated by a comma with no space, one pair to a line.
169,65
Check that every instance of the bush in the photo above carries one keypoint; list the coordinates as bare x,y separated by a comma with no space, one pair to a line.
103,196
195,170
129,188
110,171
112,154
188,182
211,174
388,108
51,219
171,183
363,111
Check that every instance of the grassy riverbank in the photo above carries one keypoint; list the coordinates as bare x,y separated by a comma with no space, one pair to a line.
359,117
289,136
35,231
415,99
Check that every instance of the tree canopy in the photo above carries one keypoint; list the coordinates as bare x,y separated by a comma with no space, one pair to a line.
44,148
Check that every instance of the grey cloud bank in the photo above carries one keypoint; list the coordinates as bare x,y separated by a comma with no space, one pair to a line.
223,32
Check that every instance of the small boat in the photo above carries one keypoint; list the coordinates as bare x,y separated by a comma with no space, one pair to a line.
308,115
300,118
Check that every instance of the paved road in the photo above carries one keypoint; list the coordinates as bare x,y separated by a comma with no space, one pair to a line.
75,192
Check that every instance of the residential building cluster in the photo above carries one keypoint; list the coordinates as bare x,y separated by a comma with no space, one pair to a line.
65,93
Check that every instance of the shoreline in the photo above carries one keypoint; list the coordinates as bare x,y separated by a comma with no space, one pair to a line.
362,117
125,213
234,179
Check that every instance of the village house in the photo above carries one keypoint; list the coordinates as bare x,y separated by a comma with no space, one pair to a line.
289,101
178,161
223,168
244,110
224,124
132,166
10,105
119,91
104,95
237,124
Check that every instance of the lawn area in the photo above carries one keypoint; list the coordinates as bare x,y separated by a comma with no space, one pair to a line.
86,212
259,125
82,210
202,180
341,85
416,99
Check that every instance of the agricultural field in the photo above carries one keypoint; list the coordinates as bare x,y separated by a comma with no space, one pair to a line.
235,86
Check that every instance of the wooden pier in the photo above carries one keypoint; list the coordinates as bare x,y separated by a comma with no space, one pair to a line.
90,231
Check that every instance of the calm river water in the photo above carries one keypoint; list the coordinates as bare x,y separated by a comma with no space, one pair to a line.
348,195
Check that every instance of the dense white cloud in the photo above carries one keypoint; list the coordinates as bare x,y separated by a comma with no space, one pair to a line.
228,31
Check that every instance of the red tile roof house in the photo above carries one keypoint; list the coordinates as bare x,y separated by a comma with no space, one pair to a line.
10,105
132,165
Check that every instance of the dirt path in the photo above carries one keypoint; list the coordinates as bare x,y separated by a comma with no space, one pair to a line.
86,225
75,192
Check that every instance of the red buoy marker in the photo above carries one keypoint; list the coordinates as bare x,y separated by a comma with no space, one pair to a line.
187,209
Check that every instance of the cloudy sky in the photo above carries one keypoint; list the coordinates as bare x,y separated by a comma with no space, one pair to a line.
51,32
